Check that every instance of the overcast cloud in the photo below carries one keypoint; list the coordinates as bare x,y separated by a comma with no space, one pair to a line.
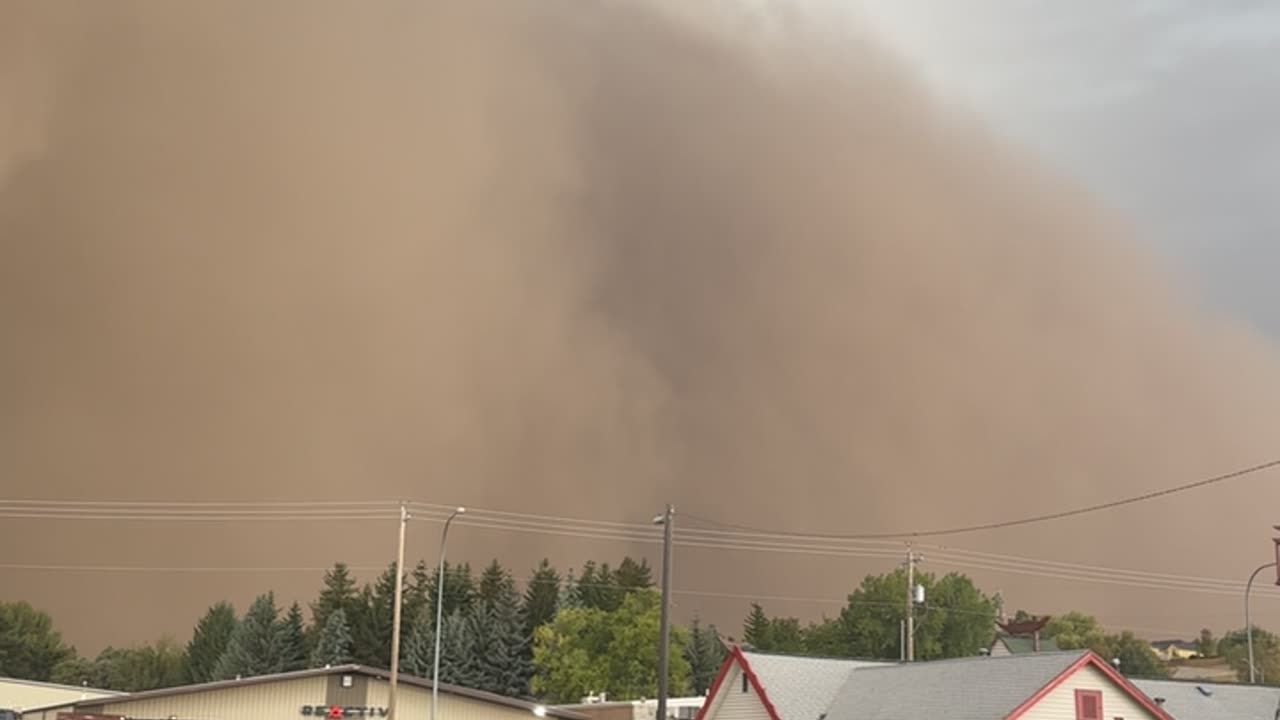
1168,108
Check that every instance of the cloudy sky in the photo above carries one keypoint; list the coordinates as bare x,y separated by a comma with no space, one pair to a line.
1168,108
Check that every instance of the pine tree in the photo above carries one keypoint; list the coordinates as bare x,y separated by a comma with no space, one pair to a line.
499,661
338,593
459,589
257,646
367,635
209,641
569,595
705,654
492,582
755,629
541,597
457,650
418,652
598,587
634,575
416,589
295,639
333,643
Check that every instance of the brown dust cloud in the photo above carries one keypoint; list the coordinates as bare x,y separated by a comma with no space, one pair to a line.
578,259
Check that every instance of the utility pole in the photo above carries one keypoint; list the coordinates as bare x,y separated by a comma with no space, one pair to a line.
667,520
395,617
912,559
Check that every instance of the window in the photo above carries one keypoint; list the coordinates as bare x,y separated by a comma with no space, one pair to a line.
1088,705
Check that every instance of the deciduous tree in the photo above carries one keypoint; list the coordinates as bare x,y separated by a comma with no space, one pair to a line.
30,647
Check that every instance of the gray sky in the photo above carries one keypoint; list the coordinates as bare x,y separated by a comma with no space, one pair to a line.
1170,109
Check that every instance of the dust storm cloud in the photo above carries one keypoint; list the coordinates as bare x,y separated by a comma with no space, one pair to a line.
579,258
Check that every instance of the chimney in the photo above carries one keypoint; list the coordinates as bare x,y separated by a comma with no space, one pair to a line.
1035,641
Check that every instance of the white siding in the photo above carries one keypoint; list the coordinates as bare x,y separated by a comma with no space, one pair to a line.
414,703
730,703
1060,704
282,700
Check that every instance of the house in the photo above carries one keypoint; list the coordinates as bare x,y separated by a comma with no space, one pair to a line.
600,708
1023,636
22,695
1076,685
339,691
764,686
1213,701
1175,649
1020,645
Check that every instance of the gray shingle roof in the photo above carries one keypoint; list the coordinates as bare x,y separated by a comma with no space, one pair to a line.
1224,701
979,688
1019,645
800,688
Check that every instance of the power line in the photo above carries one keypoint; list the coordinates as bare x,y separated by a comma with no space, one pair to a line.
1021,521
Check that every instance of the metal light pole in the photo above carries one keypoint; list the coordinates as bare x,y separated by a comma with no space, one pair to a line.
435,669
395,617
1248,624
666,520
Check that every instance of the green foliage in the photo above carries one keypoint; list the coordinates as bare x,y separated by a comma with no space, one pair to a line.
1266,654
498,661
1074,630
597,588
209,642
956,621
705,654
418,651
29,646
826,639
632,575
755,629
589,649
338,593
541,597
1207,644
459,589
457,651
295,639
257,646
135,669
333,643
371,628
569,596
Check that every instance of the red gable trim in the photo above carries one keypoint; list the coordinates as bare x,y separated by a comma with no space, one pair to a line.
737,658
1112,674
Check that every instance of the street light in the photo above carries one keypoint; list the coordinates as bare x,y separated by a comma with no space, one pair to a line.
435,670
540,710
1248,625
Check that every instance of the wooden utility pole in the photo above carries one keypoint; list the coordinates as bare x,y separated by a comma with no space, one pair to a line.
912,559
395,617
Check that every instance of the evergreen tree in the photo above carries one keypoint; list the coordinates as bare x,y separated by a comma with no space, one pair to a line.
295,639
209,642
499,661
418,651
569,595
598,587
755,629
257,646
705,654
459,589
333,643
368,644
541,597
338,593
457,650
416,589
632,575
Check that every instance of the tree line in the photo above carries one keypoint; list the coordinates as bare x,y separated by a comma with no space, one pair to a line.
557,638
494,636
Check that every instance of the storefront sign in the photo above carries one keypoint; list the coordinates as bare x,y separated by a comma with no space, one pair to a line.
338,711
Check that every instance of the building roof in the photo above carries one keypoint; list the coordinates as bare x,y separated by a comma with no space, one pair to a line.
1018,645
343,670
1180,644
799,688
17,694
979,688
1213,701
